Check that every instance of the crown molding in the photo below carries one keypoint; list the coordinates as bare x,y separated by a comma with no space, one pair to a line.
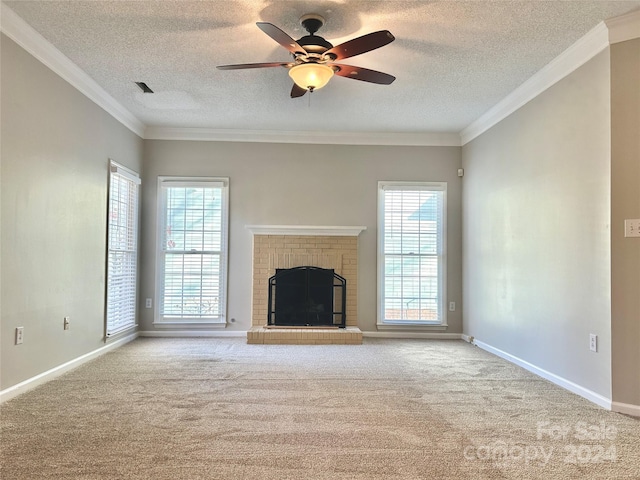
623,28
324,138
24,35
306,230
596,40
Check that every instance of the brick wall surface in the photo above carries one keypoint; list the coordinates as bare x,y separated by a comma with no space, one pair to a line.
288,251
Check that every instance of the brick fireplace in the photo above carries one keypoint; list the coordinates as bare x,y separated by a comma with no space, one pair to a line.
278,247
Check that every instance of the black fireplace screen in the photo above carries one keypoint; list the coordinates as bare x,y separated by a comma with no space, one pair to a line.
307,296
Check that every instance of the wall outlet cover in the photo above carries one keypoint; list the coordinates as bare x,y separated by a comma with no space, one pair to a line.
19,335
632,228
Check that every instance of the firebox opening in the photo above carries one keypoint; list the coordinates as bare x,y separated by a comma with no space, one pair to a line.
307,296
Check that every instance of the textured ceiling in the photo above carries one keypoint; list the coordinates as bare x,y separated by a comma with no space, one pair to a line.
453,59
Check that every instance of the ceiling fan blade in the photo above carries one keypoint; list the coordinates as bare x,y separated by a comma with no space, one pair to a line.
364,74
297,91
281,37
362,44
241,66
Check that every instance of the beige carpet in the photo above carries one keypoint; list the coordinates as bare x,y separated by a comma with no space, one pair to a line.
221,409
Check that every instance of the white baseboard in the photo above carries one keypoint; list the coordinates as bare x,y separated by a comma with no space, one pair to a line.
243,334
427,335
193,333
626,408
552,377
49,375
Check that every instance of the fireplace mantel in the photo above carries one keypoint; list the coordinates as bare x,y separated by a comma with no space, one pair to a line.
307,230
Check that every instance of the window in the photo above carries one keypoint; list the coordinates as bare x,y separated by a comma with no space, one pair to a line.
122,249
411,253
192,250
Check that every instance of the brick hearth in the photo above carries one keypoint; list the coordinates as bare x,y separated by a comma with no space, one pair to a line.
305,336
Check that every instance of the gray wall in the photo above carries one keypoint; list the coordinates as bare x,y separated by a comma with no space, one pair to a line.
537,230
625,203
277,184
55,149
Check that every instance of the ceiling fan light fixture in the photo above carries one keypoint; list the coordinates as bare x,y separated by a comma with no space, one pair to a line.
313,57
311,76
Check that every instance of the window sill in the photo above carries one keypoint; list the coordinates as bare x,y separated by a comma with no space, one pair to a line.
412,327
189,324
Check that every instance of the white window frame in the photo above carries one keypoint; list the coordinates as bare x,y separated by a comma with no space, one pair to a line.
441,323
165,182
121,297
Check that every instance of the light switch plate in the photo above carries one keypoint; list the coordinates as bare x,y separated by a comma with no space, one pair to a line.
632,228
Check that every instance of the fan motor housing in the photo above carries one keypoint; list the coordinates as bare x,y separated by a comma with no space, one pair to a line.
314,44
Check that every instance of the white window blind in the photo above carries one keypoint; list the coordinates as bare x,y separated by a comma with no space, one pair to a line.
122,233
412,253
192,256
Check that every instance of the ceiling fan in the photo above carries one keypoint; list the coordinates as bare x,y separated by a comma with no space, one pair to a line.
313,57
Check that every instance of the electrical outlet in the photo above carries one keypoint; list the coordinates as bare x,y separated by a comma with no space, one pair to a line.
593,342
148,303
66,323
452,306
19,335
632,228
